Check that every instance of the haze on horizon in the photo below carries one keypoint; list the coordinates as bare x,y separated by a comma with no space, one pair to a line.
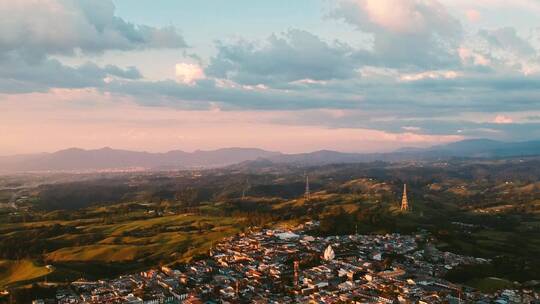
288,76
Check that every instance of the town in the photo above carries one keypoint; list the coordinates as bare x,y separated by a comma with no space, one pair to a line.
279,151
292,266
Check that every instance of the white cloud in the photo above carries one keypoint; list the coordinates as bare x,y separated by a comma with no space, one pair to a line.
411,129
430,75
258,87
309,81
188,73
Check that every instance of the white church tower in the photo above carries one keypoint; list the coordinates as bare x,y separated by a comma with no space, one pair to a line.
329,254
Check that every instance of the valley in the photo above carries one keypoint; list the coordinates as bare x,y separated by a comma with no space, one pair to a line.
101,225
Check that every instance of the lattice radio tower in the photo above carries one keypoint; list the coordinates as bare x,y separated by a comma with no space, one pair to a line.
404,201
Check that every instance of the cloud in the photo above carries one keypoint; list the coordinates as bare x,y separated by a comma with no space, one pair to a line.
33,31
502,119
407,17
19,76
208,93
533,118
188,73
507,39
411,129
426,93
529,5
37,28
429,75
471,57
406,33
112,70
472,125
473,15
510,51
415,75
295,55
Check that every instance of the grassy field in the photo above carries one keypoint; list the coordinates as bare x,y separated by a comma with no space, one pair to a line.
147,238
18,271
489,284
129,244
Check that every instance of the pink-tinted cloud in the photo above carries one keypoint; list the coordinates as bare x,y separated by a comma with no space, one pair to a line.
469,56
402,16
395,15
430,75
473,15
502,119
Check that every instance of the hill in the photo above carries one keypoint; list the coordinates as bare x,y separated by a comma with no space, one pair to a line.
113,223
17,271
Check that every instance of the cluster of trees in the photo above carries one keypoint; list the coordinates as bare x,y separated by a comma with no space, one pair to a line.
520,269
76,195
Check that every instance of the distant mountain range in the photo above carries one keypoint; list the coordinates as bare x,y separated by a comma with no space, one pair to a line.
75,159
473,148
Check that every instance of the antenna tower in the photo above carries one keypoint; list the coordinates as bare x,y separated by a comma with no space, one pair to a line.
307,195
404,201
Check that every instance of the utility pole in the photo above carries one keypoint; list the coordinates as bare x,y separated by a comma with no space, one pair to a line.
307,195
245,189
296,267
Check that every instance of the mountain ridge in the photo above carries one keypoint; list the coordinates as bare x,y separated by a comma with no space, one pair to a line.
107,158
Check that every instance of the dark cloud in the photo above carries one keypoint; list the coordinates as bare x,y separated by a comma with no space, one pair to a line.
19,76
128,73
208,93
425,126
402,100
294,56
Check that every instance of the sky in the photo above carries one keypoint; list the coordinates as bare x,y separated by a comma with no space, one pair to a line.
289,76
